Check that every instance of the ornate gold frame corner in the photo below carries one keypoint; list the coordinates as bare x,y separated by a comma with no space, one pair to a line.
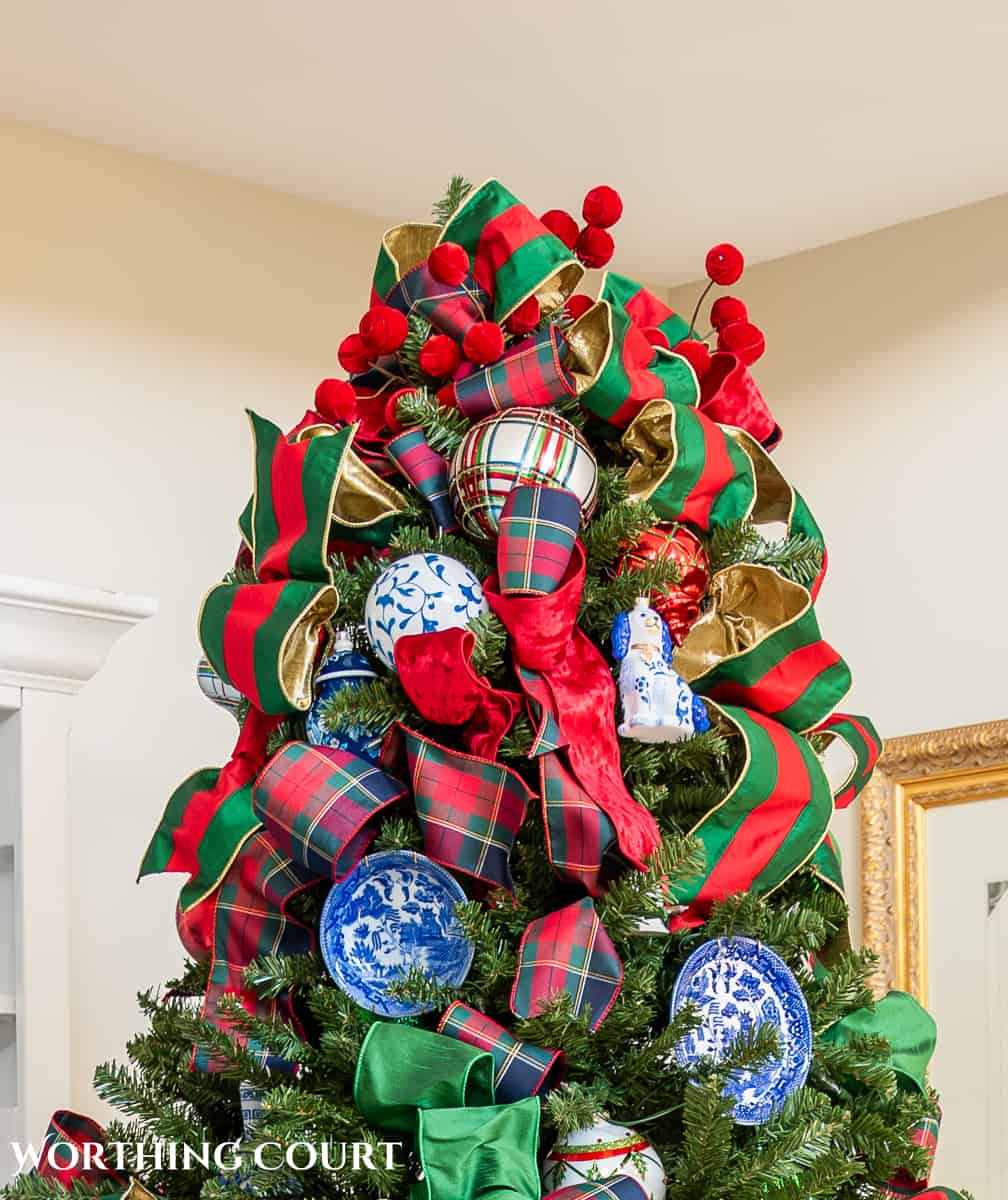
914,774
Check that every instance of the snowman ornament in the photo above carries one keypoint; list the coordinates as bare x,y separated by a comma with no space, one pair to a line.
658,705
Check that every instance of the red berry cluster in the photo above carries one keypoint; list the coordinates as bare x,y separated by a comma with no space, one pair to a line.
729,317
593,244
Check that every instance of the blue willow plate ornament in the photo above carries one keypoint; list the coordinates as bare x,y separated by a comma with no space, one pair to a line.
393,912
737,984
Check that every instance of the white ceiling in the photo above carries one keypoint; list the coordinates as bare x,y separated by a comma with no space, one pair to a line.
779,126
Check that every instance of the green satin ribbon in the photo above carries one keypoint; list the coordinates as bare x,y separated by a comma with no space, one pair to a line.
442,1091
907,1027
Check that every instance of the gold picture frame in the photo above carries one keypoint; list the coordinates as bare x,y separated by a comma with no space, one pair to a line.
916,773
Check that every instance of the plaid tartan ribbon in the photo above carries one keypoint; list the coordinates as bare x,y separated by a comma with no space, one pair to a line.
580,837
530,375
450,308
770,823
209,817
71,1145
427,471
520,1069
537,530
758,646
470,809
318,804
628,371
923,1133
567,951
618,1187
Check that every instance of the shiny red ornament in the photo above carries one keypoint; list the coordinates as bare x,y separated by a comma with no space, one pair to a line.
336,400
440,356
525,317
562,225
602,207
743,339
594,247
577,305
483,342
673,543
448,263
726,309
383,330
724,264
695,353
353,355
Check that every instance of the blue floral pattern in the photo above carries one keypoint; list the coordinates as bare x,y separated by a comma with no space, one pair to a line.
420,593
738,985
394,911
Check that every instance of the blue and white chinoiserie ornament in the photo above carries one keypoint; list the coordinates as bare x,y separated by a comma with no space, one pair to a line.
600,1152
393,912
217,689
341,669
420,593
738,984
658,705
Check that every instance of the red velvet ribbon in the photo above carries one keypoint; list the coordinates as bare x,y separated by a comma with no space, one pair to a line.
436,672
545,639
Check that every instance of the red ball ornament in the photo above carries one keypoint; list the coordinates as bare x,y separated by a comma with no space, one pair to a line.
524,318
353,355
724,264
483,342
695,353
602,207
577,305
383,329
594,246
562,225
336,400
680,608
743,339
448,263
440,356
726,309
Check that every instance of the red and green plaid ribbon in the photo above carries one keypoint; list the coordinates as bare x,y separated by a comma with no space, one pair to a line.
209,817
470,809
618,1187
450,308
538,527
530,375
319,803
71,1141
579,835
427,471
632,372
770,823
520,1069
513,254
568,951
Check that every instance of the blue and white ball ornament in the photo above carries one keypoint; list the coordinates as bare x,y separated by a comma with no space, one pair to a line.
343,668
421,593
222,693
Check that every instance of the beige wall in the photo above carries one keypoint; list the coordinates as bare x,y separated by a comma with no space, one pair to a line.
142,307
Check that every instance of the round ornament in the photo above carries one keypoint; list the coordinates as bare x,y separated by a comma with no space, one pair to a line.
518,446
599,1152
680,608
217,689
738,984
393,912
343,668
420,593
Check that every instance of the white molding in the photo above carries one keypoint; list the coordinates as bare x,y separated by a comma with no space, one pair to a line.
55,636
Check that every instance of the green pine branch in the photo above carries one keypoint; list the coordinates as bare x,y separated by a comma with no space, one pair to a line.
444,428
796,556
455,194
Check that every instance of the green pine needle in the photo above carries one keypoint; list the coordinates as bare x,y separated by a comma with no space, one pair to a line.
458,189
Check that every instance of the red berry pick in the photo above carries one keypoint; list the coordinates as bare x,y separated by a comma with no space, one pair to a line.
448,263
602,207
743,339
524,318
724,264
695,353
353,355
383,330
594,246
439,356
336,400
562,225
483,342
726,309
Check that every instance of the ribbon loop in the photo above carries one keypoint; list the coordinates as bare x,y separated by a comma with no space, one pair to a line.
427,471
520,1069
530,375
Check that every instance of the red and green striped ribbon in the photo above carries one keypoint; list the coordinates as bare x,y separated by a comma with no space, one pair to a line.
513,254
632,371
771,655
770,823
644,308
865,746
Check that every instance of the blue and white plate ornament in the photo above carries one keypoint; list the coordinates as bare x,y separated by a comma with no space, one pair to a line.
341,669
658,705
217,689
393,912
420,593
737,984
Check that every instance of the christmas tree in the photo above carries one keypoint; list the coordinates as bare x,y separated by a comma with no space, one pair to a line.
455,912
